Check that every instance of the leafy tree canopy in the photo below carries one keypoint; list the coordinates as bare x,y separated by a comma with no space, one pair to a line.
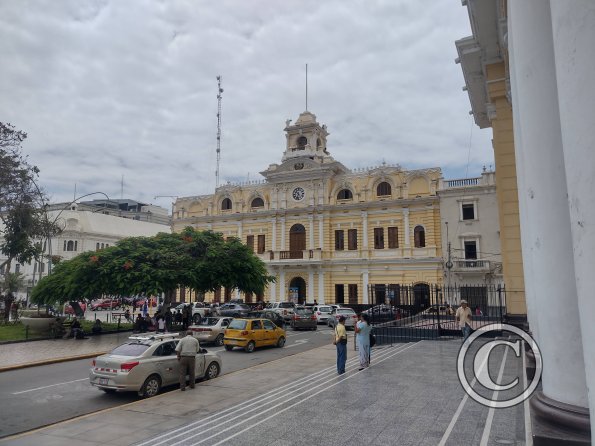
199,260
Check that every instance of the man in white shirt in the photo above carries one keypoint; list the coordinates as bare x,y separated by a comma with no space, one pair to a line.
463,318
186,350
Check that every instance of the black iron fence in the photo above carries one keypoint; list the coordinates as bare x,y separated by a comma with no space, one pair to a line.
402,313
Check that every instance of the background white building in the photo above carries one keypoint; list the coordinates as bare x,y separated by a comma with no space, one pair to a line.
82,230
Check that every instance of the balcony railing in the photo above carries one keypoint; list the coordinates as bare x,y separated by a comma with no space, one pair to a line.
284,255
472,264
309,254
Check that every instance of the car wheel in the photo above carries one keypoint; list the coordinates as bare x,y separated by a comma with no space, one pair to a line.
229,348
197,318
315,328
219,341
212,371
150,387
281,342
250,347
109,390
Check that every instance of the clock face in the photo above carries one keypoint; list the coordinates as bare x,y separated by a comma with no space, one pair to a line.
298,194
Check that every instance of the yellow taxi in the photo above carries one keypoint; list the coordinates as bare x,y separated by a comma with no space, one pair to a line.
251,333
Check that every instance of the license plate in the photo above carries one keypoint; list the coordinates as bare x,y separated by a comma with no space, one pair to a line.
103,381
231,342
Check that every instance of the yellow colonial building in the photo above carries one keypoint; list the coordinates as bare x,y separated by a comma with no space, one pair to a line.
326,232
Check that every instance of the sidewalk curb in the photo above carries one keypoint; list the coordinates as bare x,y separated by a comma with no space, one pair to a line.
50,361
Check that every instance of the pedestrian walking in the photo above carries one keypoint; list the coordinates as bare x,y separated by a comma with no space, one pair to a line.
341,344
186,351
160,324
463,318
145,309
168,319
362,331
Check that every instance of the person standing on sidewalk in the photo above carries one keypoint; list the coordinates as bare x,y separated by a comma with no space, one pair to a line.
186,350
362,330
463,318
341,343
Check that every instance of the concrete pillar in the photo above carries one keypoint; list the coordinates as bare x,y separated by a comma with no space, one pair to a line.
406,223
282,286
545,236
274,235
273,290
321,232
321,299
365,230
310,297
311,232
282,247
240,230
365,283
573,29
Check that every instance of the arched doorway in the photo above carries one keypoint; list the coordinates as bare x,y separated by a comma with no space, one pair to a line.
421,297
297,241
297,290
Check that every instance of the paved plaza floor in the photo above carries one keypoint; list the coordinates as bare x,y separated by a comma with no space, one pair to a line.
409,396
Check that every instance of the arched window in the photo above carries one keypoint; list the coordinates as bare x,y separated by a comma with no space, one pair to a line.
383,189
226,204
70,245
64,245
97,247
76,246
257,203
344,194
301,142
419,234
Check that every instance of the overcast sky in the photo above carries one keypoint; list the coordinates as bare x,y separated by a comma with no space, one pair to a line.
110,88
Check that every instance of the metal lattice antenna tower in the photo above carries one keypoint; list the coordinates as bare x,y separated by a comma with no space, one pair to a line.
219,97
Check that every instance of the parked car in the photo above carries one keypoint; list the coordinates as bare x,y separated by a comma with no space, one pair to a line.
145,364
382,313
210,329
285,309
234,310
199,310
348,313
105,304
304,318
69,310
251,333
276,318
322,312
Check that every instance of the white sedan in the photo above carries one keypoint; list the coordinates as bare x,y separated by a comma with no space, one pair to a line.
322,313
349,315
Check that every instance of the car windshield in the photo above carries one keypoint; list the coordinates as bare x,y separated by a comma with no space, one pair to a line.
130,349
243,307
285,305
303,311
325,309
209,321
237,324
345,310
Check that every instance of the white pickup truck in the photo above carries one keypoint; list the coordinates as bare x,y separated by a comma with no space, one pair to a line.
284,309
199,310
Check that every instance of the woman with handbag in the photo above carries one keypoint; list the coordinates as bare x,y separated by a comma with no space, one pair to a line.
340,342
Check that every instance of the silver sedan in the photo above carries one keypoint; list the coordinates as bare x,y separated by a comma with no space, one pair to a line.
210,329
145,364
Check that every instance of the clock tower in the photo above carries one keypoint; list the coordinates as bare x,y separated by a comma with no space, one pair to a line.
306,138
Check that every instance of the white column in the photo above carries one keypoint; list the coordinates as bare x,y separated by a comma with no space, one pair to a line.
274,290
282,286
573,36
240,230
321,299
321,231
406,223
311,232
274,235
282,247
546,238
365,282
365,230
310,286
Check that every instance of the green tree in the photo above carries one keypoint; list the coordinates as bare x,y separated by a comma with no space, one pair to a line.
22,204
199,260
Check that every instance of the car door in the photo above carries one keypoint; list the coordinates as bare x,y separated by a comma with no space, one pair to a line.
270,333
199,368
258,333
166,362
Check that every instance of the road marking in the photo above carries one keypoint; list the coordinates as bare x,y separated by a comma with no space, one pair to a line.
51,385
283,394
490,418
297,343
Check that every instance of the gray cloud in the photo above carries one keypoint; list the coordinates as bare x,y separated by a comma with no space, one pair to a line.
112,88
